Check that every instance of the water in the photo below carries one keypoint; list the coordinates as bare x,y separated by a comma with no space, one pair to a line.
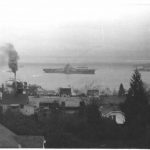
106,75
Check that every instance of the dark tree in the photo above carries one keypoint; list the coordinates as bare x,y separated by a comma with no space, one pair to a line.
92,111
137,91
121,91
136,105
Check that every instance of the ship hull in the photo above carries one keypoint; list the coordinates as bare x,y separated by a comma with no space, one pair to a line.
75,71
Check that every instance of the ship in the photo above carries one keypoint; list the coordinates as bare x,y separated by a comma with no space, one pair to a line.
68,69
143,68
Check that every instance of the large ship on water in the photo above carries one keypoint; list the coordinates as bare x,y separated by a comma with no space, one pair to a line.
68,69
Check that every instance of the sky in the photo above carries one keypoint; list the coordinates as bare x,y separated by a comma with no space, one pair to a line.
76,30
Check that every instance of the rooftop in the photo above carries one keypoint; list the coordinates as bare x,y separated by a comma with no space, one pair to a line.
30,141
107,109
14,99
112,99
70,101
8,139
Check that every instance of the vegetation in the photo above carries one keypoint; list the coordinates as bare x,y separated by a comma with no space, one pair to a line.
87,129
136,107
121,91
80,130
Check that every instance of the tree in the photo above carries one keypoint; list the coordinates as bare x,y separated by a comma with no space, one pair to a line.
136,105
92,111
137,91
121,91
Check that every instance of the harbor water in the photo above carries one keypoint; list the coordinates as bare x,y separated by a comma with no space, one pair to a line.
106,75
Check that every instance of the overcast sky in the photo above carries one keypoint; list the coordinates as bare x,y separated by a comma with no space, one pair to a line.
76,29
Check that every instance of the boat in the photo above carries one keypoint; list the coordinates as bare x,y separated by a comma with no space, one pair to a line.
68,69
143,68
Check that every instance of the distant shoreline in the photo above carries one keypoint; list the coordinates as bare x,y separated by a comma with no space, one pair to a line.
127,62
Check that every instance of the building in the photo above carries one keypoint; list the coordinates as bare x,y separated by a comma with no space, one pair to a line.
67,104
47,104
13,95
113,113
64,92
35,101
109,108
13,101
12,86
53,106
8,139
93,93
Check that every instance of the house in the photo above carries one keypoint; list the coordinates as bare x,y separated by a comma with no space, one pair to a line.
112,112
64,92
13,101
93,93
9,139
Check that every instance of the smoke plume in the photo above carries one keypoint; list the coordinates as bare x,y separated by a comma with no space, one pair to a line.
9,50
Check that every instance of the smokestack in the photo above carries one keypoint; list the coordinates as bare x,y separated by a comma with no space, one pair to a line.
13,57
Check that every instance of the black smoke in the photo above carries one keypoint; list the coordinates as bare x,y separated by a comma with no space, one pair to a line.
10,52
